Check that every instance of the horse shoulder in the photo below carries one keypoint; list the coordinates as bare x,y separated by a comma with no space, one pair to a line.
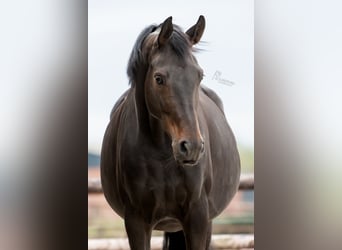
224,159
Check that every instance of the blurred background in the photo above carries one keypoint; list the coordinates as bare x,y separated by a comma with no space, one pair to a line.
227,58
44,114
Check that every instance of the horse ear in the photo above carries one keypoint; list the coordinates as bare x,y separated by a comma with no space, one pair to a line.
166,31
195,32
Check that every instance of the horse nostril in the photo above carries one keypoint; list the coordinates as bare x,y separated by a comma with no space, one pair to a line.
184,147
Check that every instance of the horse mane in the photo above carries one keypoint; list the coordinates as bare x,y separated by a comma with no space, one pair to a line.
136,58
178,42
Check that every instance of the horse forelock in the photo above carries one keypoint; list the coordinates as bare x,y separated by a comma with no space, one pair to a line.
178,42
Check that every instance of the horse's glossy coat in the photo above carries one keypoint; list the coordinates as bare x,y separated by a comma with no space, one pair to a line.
169,158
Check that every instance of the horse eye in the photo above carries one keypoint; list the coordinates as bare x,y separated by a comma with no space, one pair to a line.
159,79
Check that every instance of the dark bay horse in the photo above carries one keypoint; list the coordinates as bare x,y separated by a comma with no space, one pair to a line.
169,159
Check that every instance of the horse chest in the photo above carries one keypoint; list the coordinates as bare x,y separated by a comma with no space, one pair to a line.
157,189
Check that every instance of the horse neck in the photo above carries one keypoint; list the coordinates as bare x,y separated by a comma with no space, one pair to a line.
148,125
141,109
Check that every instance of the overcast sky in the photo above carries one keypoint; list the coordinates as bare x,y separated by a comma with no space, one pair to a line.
228,49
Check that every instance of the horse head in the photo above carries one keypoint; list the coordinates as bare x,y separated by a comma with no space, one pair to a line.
172,84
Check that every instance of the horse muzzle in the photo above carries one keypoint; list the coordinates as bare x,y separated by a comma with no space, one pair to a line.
188,153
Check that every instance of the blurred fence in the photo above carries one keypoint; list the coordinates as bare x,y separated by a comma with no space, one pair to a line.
246,183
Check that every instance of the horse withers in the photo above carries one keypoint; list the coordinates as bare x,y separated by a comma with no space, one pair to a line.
169,159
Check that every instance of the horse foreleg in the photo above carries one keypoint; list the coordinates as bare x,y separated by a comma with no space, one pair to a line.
197,225
138,232
209,231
